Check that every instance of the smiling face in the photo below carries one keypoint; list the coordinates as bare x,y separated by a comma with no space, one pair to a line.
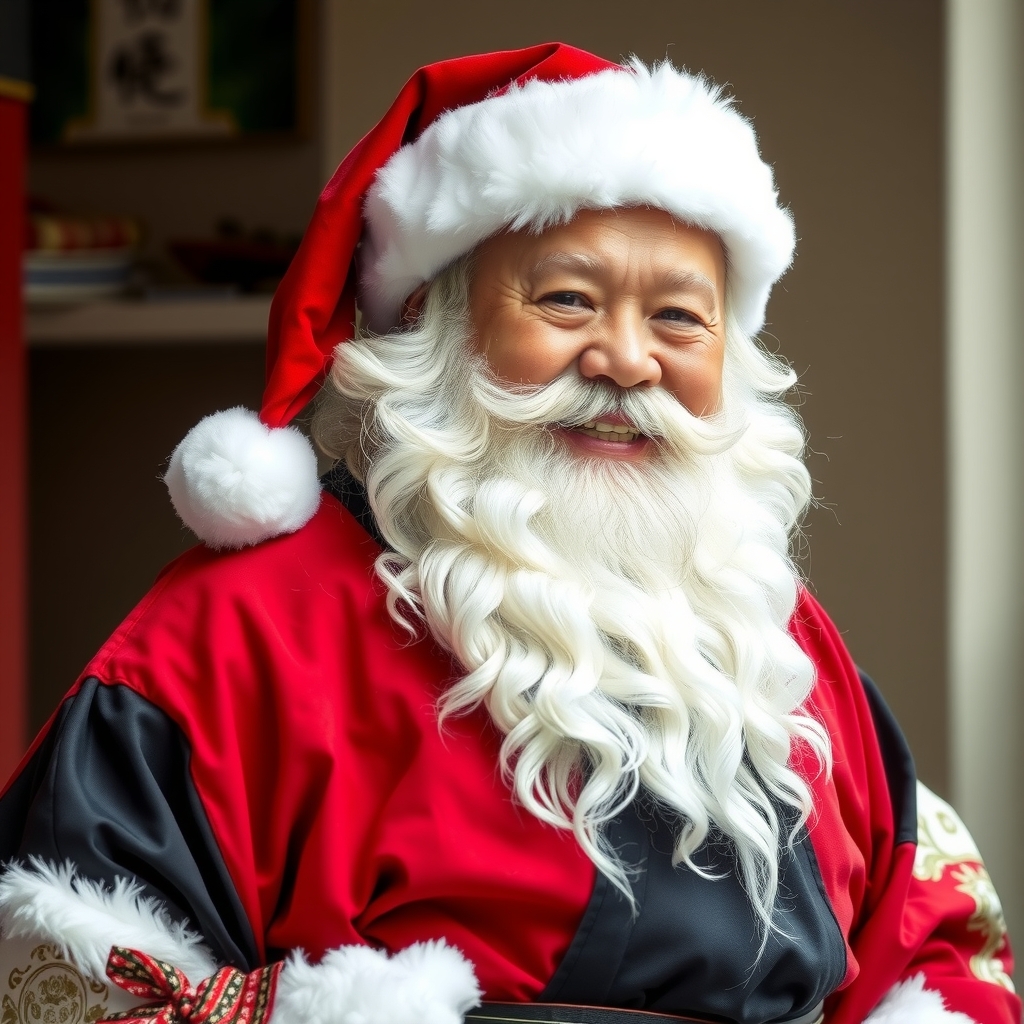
630,296
630,591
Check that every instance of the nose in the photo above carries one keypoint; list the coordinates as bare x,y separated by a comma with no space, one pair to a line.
623,353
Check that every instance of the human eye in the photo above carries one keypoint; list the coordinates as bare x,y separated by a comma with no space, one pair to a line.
676,315
567,300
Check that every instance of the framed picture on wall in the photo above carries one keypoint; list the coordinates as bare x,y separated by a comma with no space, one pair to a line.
125,71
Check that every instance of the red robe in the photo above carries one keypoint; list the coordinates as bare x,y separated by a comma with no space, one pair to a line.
343,815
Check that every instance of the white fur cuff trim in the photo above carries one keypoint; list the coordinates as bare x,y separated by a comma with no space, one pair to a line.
427,983
910,1002
83,919
235,481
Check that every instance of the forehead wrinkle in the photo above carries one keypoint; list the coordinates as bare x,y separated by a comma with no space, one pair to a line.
576,261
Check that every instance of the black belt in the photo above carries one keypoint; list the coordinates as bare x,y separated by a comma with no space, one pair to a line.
561,1013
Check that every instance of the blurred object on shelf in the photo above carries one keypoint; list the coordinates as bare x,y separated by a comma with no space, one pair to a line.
56,232
74,258
254,261
75,275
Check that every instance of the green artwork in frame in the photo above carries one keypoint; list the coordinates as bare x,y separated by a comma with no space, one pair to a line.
152,70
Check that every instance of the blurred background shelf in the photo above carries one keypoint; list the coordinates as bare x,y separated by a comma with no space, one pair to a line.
149,321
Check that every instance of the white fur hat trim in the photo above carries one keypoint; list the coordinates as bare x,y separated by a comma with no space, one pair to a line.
236,482
535,155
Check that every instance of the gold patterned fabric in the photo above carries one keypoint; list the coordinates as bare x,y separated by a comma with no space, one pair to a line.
947,852
45,988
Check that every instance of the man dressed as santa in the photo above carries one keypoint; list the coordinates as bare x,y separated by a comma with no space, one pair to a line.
526,715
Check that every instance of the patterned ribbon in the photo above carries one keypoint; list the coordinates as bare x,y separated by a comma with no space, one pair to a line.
227,997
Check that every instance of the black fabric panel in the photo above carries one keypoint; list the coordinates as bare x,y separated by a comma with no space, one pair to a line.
553,1013
339,483
900,772
599,945
692,946
110,790
17,801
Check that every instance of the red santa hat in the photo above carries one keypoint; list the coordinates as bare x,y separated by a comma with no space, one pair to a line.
521,139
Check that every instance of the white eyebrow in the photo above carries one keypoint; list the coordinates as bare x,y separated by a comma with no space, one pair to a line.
693,281
568,261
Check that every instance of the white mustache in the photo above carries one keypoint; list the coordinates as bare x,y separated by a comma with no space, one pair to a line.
571,400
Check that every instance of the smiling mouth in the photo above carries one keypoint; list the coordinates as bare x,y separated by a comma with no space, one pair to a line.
618,433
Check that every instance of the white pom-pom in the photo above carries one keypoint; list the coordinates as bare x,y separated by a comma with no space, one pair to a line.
236,482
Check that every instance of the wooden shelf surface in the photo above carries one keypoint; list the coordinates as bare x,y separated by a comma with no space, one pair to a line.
149,321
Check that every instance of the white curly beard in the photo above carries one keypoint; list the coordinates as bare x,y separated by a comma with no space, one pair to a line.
624,624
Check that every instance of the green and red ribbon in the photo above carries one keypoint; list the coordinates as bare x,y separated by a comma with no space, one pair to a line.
228,997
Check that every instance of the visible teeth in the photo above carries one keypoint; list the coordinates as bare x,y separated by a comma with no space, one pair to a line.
610,428
609,431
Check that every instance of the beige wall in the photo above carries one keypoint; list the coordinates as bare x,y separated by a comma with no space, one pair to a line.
847,98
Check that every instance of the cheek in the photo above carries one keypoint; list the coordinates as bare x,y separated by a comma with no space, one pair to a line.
526,352
695,379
